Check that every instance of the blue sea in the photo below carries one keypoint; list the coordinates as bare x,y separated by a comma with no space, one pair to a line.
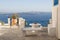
30,17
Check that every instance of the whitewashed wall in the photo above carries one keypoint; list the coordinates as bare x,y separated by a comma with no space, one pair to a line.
58,22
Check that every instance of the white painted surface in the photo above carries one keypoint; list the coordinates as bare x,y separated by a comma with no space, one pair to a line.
32,31
58,22
8,21
35,25
0,24
30,28
6,24
21,22
4,27
53,26
51,30
54,16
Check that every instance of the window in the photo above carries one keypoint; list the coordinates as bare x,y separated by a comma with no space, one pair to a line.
55,2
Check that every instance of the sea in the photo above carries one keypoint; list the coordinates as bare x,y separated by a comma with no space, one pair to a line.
30,17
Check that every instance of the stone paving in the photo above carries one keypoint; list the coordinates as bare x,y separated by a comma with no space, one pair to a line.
17,34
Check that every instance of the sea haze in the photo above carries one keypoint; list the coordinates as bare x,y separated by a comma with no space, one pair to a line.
30,17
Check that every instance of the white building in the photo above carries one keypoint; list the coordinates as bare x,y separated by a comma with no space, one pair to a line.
58,21
56,16
55,25
53,28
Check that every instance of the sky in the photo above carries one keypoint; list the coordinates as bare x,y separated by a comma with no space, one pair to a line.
25,5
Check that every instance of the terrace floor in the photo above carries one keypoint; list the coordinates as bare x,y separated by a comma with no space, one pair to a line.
17,34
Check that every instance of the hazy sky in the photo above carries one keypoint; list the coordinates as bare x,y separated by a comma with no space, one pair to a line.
25,5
